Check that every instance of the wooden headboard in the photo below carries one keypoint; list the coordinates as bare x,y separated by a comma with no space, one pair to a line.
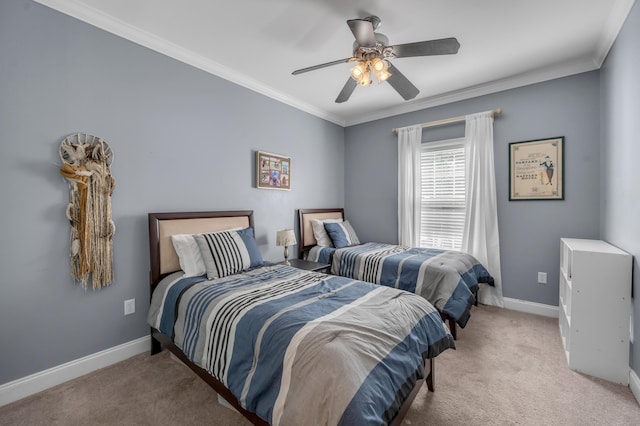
163,257
305,216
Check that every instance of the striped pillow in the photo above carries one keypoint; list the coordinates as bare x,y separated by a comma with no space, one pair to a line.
342,234
228,252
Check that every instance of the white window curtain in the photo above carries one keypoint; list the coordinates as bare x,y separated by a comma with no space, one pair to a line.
409,176
480,237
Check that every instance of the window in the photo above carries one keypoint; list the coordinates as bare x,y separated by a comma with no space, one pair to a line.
443,194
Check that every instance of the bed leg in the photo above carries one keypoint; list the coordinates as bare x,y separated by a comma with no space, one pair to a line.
453,329
156,346
429,380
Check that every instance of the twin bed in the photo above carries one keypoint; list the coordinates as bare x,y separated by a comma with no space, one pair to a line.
448,279
282,345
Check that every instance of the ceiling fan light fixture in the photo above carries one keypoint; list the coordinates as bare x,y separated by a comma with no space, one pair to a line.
371,51
361,74
380,68
358,70
379,64
383,76
366,79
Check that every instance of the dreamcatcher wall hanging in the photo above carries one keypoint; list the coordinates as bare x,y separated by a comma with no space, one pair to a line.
85,165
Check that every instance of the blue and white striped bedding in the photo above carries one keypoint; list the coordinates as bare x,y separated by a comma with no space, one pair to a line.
446,278
295,345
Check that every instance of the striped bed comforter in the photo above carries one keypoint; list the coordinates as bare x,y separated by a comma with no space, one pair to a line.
295,345
446,278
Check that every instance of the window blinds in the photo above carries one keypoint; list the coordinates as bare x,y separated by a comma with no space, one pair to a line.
443,195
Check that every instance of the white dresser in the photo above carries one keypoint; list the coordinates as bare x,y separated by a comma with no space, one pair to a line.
595,303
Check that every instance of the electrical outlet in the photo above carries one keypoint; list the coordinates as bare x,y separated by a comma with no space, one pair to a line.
542,277
129,306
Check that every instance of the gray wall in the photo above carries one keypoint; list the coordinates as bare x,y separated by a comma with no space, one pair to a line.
183,140
620,201
530,231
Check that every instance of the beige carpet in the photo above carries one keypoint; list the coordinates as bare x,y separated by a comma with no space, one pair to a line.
509,369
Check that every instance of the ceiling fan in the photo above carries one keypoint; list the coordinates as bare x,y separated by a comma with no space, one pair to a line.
371,52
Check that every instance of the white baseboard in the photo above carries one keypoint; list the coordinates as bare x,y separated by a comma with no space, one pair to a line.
18,389
634,384
531,307
21,388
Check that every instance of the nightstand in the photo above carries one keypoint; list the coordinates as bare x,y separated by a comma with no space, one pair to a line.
308,265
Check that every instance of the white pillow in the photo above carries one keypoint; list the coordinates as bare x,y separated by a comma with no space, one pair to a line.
322,238
189,255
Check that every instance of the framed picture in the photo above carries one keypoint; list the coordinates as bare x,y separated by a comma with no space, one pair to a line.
536,169
273,171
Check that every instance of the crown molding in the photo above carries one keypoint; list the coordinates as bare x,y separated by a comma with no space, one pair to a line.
96,18
525,79
612,28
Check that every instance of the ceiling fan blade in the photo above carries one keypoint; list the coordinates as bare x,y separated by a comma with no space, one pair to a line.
402,85
347,90
363,32
444,46
317,67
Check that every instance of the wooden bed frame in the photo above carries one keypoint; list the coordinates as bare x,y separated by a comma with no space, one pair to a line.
308,240
164,261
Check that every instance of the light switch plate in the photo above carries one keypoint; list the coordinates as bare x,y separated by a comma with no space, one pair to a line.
129,306
542,277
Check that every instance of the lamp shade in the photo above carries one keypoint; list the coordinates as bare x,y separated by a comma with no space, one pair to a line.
286,237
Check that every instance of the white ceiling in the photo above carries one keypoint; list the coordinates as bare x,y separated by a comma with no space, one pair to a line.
258,43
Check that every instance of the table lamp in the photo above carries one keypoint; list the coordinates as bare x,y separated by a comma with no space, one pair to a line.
286,238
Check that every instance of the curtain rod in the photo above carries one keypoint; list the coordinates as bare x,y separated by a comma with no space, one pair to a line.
494,112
